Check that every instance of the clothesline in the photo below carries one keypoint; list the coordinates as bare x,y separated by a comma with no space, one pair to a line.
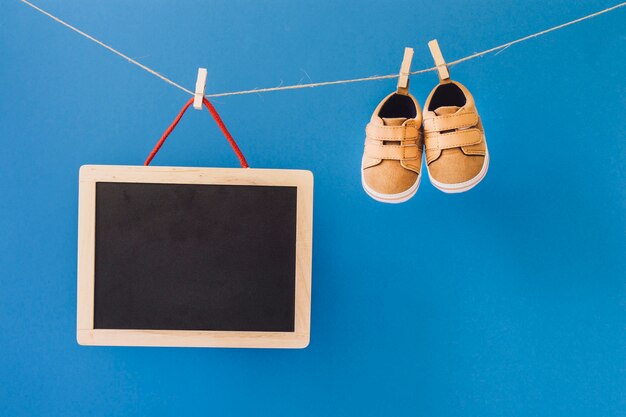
324,83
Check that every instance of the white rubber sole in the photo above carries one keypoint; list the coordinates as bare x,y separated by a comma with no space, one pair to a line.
392,198
463,186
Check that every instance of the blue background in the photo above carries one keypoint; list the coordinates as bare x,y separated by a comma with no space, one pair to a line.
509,300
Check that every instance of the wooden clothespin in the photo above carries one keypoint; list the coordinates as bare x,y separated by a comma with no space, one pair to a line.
405,72
200,86
440,63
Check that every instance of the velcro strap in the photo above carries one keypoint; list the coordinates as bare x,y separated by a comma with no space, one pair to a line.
451,121
395,133
396,152
455,139
410,152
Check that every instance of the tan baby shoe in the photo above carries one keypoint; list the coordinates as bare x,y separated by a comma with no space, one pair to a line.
456,149
392,160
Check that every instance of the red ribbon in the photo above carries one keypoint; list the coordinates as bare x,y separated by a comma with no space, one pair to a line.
220,124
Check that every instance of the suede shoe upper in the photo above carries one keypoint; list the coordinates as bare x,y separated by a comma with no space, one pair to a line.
454,138
392,157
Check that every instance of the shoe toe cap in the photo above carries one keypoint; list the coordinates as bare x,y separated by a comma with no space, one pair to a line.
389,177
454,167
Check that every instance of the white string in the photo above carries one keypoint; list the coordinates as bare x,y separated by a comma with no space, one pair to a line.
115,51
320,84
534,35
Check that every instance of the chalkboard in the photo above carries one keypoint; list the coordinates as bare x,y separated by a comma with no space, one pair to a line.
188,256
195,257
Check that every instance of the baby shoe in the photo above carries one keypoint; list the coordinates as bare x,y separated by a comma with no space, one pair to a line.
392,159
456,150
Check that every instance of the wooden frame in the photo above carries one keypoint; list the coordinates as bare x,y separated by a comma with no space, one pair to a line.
91,174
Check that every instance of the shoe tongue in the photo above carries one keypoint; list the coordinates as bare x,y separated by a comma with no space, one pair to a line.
446,110
394,121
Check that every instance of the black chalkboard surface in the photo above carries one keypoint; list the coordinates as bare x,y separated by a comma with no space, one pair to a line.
195,257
